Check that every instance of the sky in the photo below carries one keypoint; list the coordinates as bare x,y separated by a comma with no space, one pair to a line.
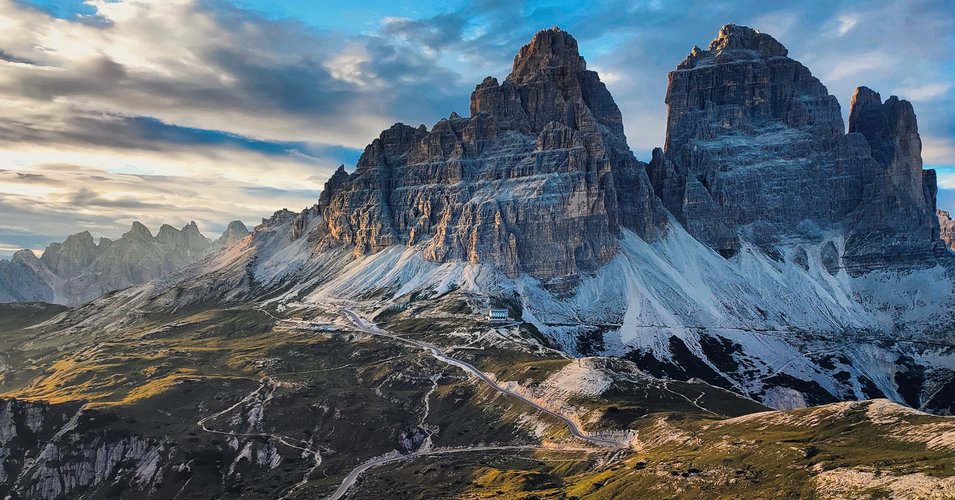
167,111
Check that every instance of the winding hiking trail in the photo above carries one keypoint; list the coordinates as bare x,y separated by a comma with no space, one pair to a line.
353,476
372,329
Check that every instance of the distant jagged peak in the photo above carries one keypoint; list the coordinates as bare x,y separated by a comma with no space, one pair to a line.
735,42
235,231
25,256
137,229
550,49
191,228
167,233
83,238
236,226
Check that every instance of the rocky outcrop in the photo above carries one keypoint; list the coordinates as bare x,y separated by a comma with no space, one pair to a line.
946,229
538,180
54,451
756,150
896,220
79,270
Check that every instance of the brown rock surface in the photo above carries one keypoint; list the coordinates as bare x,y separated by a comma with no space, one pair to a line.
947,229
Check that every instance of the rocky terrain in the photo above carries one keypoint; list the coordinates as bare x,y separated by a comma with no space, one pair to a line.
79,269
946,229
763,309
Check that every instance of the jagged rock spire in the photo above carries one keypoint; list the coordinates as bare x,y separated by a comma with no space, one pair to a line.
550,50
548,140
757,150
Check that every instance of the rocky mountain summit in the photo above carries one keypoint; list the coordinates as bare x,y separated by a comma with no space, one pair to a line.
756,150
78,269
538,180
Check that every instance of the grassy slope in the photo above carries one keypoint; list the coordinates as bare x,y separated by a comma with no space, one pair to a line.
351,395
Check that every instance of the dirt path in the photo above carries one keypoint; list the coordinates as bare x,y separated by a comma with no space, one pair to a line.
372,329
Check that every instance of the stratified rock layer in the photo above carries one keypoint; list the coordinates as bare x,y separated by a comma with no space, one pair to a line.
538,180
756,151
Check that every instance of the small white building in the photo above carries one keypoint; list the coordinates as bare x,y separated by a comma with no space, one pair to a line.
495,314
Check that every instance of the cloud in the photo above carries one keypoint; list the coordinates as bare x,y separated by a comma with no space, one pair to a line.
437,33
946,179
184,109
210,65
925,92
845,24
938,150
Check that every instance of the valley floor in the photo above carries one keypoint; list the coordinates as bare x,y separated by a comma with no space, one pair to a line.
285,400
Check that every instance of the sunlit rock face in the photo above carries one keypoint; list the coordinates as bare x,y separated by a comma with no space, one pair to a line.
946,229
538,180
756,150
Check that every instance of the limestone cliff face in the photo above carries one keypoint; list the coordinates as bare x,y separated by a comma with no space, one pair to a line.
756,150
538,180
896,219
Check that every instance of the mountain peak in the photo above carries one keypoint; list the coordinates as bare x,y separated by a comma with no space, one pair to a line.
733,36
864,96
234,232
138,229
25,257
191,230
237,226
550,49
734,43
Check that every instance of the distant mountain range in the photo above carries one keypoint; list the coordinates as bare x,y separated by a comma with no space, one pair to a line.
79,270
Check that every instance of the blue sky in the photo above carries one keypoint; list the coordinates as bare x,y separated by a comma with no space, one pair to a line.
210,110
